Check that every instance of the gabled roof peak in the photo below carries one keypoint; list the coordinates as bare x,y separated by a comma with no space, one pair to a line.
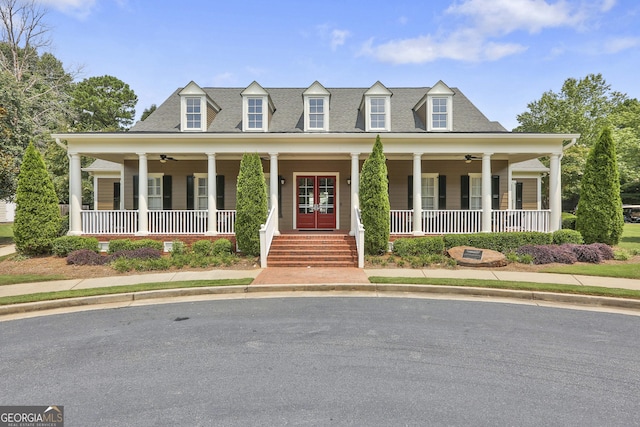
316,89
254,89
440,88
378,89
192,89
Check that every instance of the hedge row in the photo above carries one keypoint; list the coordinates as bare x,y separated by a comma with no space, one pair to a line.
567,253
501,242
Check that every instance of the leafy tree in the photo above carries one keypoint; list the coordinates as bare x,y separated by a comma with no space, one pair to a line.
251,204
374,201
104,104
626,134
582,106
147,112
37,219
599,213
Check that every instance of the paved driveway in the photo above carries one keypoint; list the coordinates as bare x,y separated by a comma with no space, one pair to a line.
327,361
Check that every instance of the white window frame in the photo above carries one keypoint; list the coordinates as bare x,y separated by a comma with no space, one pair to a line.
152,197
387,113
475,200
246,114
308,113
200,202
184,105
433,177
430,113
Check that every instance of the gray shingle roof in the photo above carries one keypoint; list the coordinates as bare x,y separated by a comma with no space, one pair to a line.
344,113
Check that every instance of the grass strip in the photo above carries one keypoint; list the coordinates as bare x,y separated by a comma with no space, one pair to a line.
626,271
505,284
10,279
75,293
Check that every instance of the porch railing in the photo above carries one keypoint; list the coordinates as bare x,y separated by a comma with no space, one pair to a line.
160,222
178,222
267,230
109,222
469,221
451,221
521,220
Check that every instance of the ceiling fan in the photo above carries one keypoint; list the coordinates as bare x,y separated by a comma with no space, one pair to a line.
469,157
164,158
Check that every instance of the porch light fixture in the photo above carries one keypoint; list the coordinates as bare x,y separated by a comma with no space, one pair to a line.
349,181
282,180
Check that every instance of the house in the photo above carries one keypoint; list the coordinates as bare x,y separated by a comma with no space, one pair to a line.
7,211
451,170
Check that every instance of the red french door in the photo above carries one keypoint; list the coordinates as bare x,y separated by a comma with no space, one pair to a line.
316,202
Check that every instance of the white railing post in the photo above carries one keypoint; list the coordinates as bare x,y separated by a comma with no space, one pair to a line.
267,231
359,238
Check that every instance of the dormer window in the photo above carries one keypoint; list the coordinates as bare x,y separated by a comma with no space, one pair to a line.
255,114
377,108
257,109
439,111
197,110
194,113
316,108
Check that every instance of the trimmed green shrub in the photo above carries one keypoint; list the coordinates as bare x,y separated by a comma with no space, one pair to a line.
118,245
63,246
568,221
37,220
501,242
178,247
418,246
599,211
251,204
202,247
567,236
374,201
222,247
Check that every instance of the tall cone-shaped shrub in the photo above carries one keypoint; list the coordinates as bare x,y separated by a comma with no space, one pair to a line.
599,213
251,204
37,219
374,201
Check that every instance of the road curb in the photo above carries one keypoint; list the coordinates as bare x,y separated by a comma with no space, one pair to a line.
374,289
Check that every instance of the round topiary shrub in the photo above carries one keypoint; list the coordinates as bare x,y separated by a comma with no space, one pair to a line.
202,247
567,236
222,247
63,246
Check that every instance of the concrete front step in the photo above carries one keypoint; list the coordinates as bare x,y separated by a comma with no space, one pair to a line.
313,251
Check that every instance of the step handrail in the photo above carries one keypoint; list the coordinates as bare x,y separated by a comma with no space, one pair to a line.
267,231
359,238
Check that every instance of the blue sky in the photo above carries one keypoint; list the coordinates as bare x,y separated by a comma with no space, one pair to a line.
502,54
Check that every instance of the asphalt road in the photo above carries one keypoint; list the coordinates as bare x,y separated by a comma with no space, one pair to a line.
327,361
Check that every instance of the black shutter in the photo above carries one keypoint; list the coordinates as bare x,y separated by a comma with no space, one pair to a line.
410,192
464,192
442,192
135,192
190,190
166,192
495,192
220,192
518,195
116,196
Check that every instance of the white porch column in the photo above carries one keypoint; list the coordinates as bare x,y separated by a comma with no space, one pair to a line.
75,195
273,186
511,194
143,205
95,193
486,192
417,194
212,208
122,187
555,193
355,186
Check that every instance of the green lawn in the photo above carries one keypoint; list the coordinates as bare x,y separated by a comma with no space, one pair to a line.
628,271
6,234
630,237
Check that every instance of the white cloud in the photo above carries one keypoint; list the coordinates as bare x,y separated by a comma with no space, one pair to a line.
78,8
479,29
622,43
338,37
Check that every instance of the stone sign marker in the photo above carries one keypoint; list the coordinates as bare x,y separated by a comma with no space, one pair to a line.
474,257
